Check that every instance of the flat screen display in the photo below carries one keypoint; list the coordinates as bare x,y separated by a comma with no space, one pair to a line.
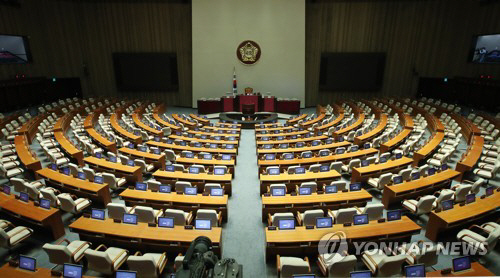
126,274
190,190
331,189
461,264
130,218
216,192
141,186
202,224
417,270
394,215
72,271
286,224
165,189
485,49
97,214
27,263
360,219
351,71
324,222
278,192
146,71
23,196
14,50
219,171
166,222
361,274
44,203
304,191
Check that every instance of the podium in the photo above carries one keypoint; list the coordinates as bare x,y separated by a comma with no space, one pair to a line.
228,104
269,104
249,99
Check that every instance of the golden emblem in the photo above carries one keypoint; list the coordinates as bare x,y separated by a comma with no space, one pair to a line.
248,52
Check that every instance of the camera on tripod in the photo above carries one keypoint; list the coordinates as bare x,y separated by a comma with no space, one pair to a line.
201,262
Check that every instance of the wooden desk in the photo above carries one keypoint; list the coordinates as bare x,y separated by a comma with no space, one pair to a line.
130,136
69,148
229,127
293,179
316,159
142,237
461,215
205,141
382,123
272,129
199,119
158,160
333,123
362,174
49,219
471,157
408,121
82,188
331,146
27,158
199,180
160,109
159,200
300,242
30,128
319,118
179,148
207,163
137,121
283,132
101,140
355,125
131,173
292,141
213,133
396,141
423,186
476,270
428,149
289,203
8,271
297,119
186,123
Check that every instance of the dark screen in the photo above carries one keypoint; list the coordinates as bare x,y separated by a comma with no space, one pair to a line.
351,71
146,71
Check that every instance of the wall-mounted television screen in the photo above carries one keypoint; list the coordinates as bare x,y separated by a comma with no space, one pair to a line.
485,49
146,71
363,71
14,50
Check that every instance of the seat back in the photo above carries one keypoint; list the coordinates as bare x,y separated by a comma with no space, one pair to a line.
4,239
154,185
309,217
341,185
177,215
384,179
110,179
344,267
405,173
89,173
141,164
279,216
374,211
18,184
49,195
425,203
208,214
67,203
32,191
116,210
337,166
145,214
58,254
180,185
209,186
99,261
345,215
428,256
290,266
145,265
462,191
390,265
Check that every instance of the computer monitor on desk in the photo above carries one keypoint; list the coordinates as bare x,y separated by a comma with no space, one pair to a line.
286,224
97,214
202,224
324,222
165,222
72,271
126,274
394,215
165,188
361,274
27,263
360,219
278,192
417,270
461,264
129,218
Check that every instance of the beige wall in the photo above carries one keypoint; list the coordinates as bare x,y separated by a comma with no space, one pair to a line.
278,26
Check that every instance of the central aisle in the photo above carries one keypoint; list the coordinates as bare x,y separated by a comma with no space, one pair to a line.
243,236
